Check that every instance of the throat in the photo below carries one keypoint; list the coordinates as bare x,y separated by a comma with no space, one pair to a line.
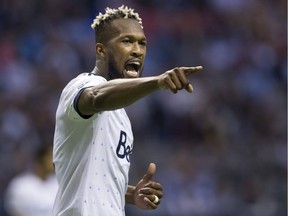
96,71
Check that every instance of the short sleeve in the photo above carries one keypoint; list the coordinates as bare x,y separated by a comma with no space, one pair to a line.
72,92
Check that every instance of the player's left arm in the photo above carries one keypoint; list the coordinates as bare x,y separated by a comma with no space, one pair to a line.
146,194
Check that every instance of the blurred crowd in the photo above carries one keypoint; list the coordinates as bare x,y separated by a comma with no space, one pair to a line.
221,151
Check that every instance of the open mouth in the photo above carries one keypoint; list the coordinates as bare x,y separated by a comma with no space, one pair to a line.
132,68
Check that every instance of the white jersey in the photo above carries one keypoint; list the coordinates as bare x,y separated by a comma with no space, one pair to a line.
28,195
91,156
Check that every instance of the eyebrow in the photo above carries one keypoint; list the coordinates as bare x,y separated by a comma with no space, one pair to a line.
133,37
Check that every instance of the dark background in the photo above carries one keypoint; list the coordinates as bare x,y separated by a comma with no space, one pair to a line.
220,151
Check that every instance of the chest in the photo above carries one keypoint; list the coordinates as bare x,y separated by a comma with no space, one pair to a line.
114,136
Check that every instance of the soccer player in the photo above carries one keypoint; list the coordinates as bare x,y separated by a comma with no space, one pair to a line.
93,137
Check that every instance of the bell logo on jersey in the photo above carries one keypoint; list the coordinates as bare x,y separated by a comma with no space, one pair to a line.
122,150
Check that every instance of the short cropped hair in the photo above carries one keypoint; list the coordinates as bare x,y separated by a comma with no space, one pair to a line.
102,21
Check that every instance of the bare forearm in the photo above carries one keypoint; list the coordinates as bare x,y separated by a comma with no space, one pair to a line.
118,93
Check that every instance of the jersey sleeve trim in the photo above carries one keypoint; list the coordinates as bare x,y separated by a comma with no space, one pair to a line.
75,103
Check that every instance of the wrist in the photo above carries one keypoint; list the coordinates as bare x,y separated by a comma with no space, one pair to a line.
160,83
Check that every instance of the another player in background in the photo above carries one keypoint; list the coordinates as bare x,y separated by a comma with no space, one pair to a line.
93,136
33,193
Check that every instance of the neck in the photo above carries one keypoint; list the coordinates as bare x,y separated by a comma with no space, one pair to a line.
96,71
100,69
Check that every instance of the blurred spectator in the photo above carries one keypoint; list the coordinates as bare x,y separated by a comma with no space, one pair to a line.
32,193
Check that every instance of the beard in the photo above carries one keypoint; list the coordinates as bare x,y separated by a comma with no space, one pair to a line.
113,72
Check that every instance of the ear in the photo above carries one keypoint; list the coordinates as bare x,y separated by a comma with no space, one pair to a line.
100,50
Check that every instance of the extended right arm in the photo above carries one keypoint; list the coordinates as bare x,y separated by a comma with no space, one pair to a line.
119,93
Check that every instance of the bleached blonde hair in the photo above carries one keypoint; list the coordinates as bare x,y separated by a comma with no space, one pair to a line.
111,14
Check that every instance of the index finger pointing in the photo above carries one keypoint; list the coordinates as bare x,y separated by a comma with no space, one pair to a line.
189,70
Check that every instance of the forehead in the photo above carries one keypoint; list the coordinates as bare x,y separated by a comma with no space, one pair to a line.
121,27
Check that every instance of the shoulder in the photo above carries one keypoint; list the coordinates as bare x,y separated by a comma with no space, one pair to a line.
88,77
84,80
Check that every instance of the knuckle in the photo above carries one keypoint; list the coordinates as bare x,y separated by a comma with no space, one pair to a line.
175,69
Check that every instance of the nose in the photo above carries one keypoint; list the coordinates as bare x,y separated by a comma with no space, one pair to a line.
137,50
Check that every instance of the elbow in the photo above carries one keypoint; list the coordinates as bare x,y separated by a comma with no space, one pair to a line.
99,101
88,103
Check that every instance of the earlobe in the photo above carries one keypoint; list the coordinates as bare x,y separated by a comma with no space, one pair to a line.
100,50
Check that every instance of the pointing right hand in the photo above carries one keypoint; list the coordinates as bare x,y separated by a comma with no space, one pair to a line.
177,78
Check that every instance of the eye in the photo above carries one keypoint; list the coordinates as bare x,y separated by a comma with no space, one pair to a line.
126,40
143,43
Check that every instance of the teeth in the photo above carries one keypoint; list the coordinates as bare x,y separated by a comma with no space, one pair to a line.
135,63
133,67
